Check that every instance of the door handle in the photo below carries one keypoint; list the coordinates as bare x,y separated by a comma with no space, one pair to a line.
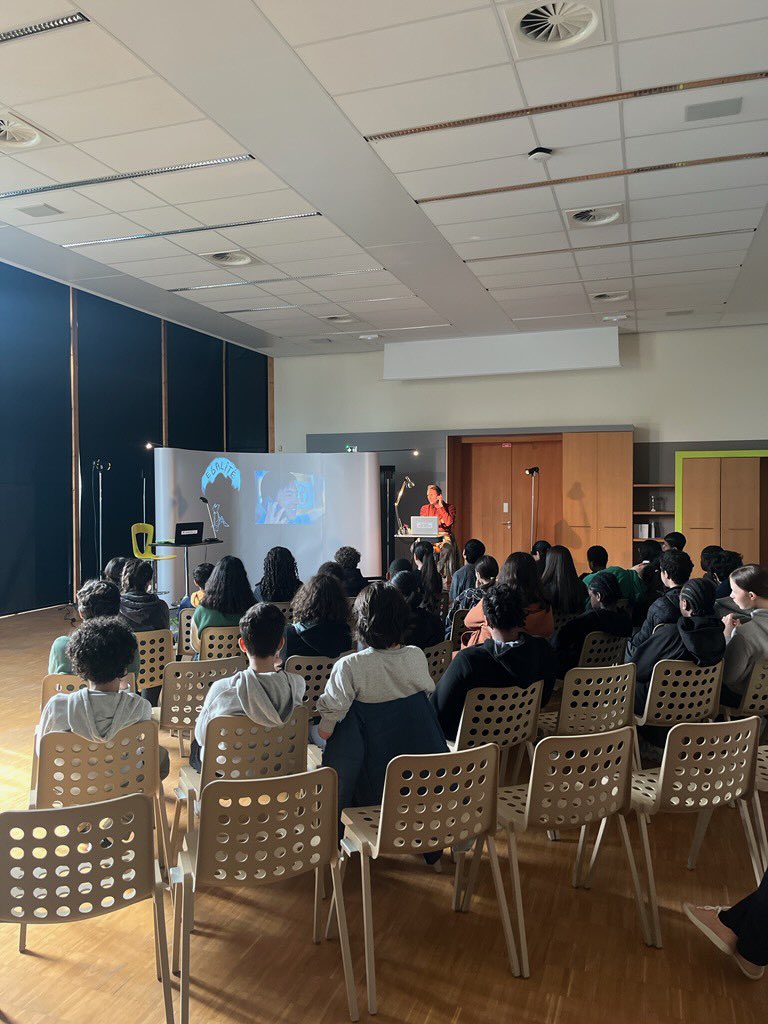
507,523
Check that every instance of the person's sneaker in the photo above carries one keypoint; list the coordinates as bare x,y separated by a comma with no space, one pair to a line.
752,971
707,921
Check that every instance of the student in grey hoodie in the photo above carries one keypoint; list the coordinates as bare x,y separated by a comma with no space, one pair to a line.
261,692
100,652
746,642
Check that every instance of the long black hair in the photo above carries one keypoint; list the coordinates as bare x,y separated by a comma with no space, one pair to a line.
431,580
560,582
228,590
281,576
520,571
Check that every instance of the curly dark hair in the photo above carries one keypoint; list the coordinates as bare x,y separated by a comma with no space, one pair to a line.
113,570
262,629
521,572
97,599
137,575
321,599
331,569
348,558
228,589
677,565
607,588
503,608
381,615
281,576
101,650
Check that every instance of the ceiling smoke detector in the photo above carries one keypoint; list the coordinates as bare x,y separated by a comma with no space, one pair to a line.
16,134
233,258
595,216
610,296
540,28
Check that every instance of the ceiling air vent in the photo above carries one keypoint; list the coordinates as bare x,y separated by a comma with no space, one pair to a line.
233,258
16,134
595,216
339,318
537,29
678,312
609,296
40,210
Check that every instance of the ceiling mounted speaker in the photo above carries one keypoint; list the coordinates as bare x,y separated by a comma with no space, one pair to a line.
16,134
595,216
536,29
233,258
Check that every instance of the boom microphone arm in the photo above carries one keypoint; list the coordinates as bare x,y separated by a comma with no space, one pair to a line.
208,508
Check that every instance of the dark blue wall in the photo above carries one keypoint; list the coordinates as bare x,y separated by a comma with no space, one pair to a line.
195,390
247,400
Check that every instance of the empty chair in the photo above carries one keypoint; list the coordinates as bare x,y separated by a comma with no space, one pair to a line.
504,716
754,700
155,651
457,627
602,649
219,642
430,802
88,861
438,659
594,700
184,648
256,833
185,685
576,781
706,766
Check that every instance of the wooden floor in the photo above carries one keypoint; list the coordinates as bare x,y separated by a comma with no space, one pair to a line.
253,959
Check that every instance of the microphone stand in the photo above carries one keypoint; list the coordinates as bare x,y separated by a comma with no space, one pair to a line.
533,473
101,468
210,517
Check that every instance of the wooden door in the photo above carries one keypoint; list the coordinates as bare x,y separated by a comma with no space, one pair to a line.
615,470
489,475
701,505
577,527
547,454
740,506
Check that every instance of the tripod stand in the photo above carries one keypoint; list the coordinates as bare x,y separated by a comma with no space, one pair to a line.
101,468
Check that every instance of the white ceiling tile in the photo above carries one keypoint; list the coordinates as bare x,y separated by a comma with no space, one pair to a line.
686,56
278,203
574,160
608,235
606,271
698,203
651,115
503,204
69,60
85,229
683,264
17,13
592,257
122,196
421,49
161,217
204,241
445,98
321,309
320,248
63,163
543,261
720,140
283,231
573,290
360,306
684,280
436,181
739,174
237,298
578,127
457,145
686,246
69,203
499,284
364,286
337,264
510,246
613,284
549,305
556,323
579,195
677,323
732,220
568,76
502,227
170,265
143,249
259,272
635,21
391,319
292,291
163,147
169,281
14,175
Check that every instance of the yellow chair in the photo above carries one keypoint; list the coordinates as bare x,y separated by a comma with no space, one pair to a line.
147,531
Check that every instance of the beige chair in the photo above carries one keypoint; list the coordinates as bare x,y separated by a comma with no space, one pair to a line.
706,766
576,781
457,627
316,673
430,802
438,659
761,786
504,716
185,685
55,684
755,698
184,648
560,618
594,700
681,691
285,608
79,863
219,642
258,833
601,650
155,651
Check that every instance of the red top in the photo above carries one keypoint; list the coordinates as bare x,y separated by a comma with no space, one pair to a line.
446,514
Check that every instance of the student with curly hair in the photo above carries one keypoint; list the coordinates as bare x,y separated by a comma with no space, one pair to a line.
96,599
349,560
281,577
321,615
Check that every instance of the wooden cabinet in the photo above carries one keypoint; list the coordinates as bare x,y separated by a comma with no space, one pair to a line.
701,504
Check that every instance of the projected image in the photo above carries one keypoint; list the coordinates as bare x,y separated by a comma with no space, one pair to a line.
220,478
288,498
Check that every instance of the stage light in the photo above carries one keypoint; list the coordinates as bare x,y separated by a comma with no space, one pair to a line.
416,452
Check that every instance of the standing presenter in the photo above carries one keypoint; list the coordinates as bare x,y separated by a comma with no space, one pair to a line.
436,506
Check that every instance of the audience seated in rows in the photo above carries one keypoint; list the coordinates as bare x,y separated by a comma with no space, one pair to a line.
676,568
227,597
464,578
486,571
431,580
113,570
519,571
335,570
200,576
674,541
560,583
281,577
539,554
603,617
425,628
398,565
96,599
264,693
724,563
706,560
507,658
320,627
632,587
101,652
746,642
349,560
139,608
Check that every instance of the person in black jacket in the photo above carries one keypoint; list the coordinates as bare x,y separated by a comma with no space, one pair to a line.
320,627
509,658
675,568
697,636
140,609
603,617
464,578
354,581
424,629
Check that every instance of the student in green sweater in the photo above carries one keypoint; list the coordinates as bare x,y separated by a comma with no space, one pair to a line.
95,599
228,596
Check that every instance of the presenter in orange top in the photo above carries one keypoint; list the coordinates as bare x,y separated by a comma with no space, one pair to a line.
436,506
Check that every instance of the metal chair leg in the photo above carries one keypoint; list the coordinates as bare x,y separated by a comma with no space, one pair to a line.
514,869
639,897
370,957
346,956
754,853
652,899
316,927
501,899
576,876
458,878
586,882
474,868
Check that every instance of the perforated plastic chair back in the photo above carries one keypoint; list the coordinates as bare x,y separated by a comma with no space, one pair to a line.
577,780
681,691
285,608
267,830
560,618
184,642
237,748
69,864
506,716
316,672
185,685
73,770
432,801
438,659
219,642
54,684
755,698
597,700
602,650
155,651
457,627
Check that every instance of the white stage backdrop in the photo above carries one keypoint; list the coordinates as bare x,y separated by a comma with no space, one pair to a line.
312,504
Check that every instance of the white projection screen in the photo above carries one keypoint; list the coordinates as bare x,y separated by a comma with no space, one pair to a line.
312,504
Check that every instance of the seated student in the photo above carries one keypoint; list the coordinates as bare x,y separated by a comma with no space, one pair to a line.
321,615
603,617
706,560
647,569
424,629
464,578
200,575
632,587
227,597
746,642
281,577
349,560
96,599
723,564
560,583
101,652
332,569
139,608
696,636
520,572
263,693
113,570
673,541
539,554
431,580
486,571
398,565
676,568
508,658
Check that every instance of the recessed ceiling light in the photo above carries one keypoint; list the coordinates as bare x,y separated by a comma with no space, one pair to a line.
609,296
368,337
615,318
42,26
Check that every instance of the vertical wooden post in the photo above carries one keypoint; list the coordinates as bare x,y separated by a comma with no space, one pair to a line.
75,409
